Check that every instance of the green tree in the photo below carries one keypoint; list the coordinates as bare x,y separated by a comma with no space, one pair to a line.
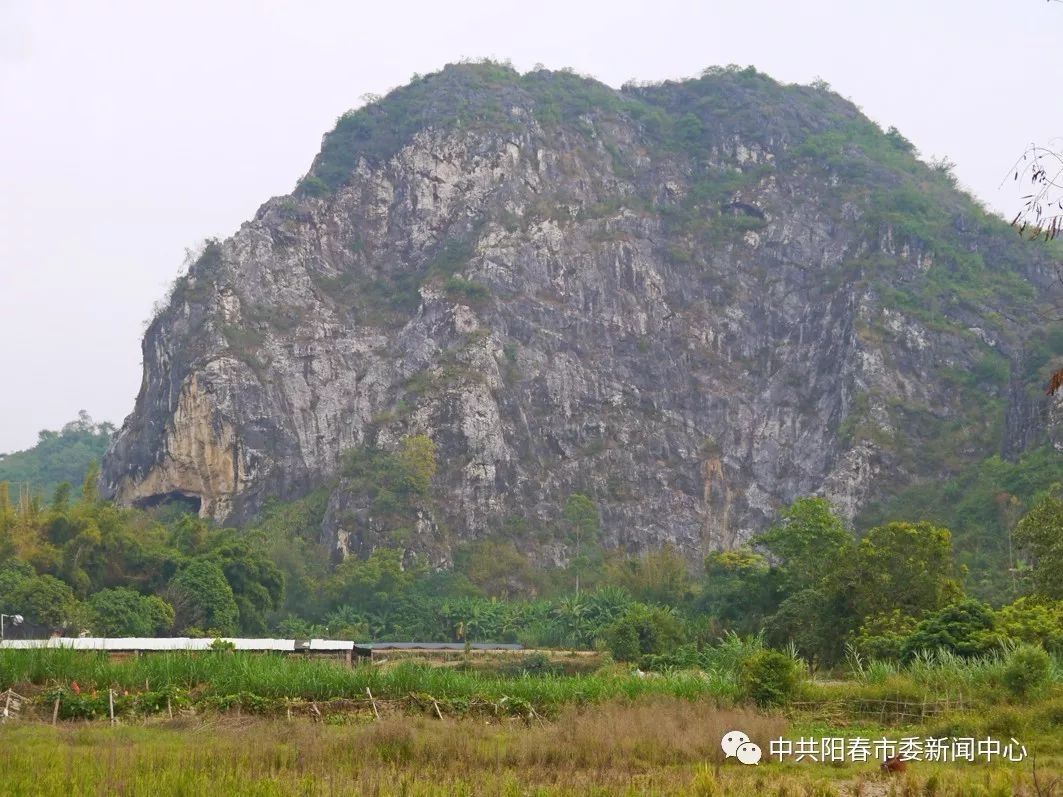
257,584
815,619
370,584
8,516
61,456
883,635
42,599
810,545
125,612
496,568
905,566
190,534
347,622
688,128
1028,671
1033,621
623,641
964,628
1041,533
581,515
61,498
739,590
396,484
658,577
89,492
12,573
809,542
291,539
980,506
202,599
94,545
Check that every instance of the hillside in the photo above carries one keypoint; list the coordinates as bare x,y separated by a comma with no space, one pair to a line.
59,456
689,303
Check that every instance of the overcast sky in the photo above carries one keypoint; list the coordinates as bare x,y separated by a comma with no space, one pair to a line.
129,131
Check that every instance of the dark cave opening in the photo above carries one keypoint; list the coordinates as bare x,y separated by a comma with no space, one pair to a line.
176,500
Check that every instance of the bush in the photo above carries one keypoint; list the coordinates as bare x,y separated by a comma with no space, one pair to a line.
769,678
1028,670
882,637
1033,621
623,641
312,185
644,630
685,657
44,600
463,290
1005,721
963,628
125,612
1049,714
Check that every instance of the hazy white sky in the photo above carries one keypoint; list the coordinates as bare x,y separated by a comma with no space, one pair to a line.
131,130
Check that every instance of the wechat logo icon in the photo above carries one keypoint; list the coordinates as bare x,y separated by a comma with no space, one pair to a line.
737,744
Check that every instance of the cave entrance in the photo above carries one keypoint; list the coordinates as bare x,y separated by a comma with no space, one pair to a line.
174,501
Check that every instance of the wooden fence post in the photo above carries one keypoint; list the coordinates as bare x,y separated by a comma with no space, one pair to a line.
55,710
372,702
110,704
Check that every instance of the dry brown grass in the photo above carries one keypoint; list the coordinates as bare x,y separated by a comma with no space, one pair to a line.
626,738
657,746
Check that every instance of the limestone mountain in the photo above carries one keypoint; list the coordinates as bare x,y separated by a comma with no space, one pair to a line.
690,302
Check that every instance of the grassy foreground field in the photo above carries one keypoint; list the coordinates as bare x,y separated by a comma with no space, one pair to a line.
258,725
660,746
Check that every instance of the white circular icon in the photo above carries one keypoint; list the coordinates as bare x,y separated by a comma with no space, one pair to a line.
748,753
731,741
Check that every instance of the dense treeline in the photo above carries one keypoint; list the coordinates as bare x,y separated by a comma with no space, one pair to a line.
72,562
78,563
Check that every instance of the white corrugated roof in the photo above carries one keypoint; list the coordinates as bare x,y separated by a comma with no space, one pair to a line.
130,644
147,643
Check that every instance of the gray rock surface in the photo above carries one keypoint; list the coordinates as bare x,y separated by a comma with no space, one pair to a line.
693,335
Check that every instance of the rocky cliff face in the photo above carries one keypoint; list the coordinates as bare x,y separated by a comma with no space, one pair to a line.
691,302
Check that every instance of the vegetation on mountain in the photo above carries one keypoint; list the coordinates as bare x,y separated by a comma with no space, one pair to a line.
57,457
980,506
1041,531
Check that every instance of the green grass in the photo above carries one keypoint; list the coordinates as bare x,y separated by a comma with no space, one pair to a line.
219,675
265,683
605,733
